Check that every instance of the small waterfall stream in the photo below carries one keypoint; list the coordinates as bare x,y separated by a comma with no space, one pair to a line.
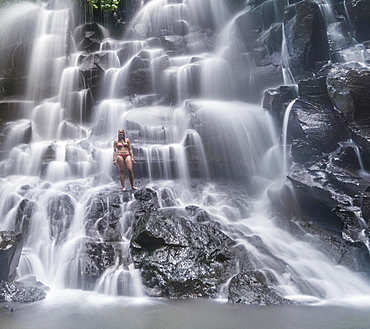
67,161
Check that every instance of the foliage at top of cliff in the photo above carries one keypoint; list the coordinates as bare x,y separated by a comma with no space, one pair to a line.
105,5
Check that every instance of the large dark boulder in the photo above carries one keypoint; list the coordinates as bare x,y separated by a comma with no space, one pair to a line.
95,257
314,126
359,16
24,133
11,244
251,288
306,37
139,77
347,87
13,75
255,52
20,293
180,27
178,256
60,211
314,129
265,76
48,156
103,213
89,36
330,203
92,72
12,109
250,25
331,189
329,192
102,248
174,45
276,100
25,211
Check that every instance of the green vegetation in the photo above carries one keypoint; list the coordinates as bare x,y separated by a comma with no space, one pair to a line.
109,6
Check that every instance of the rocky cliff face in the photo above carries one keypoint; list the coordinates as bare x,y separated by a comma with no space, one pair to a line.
328,137
329,158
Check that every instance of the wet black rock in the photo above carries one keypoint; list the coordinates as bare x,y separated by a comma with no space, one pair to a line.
25,211
306,41
180,27
102,249
365,205
103,214
147,200
359,16
89,36
140,81
251,25
276,101
347,87
327,188
265,76
89,66
20,293
314,129
60,212
251,288
11,244
94,259
174,45
6,128
179,257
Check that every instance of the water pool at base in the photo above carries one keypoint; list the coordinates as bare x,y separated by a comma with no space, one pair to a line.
86,310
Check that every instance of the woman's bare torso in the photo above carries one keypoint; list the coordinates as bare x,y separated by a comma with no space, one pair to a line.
122,146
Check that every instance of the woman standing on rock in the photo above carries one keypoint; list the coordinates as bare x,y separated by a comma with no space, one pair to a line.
122,154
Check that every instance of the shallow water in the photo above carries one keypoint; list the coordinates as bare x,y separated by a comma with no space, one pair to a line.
76,309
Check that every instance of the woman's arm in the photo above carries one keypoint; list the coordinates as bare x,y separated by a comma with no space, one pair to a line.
130,150
114,152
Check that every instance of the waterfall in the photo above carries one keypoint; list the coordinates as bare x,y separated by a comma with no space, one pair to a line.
49,57
187,125
288,76
285,134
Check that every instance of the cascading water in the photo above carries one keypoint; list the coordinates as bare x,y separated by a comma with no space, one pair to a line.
67,161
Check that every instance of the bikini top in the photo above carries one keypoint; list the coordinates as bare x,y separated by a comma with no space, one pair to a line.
118,145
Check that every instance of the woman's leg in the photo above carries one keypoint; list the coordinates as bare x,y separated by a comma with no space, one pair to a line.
121,165
128,162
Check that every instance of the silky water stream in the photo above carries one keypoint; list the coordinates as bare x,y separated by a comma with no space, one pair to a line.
68,161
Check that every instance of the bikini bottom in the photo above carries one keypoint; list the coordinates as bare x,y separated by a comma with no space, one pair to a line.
124,156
